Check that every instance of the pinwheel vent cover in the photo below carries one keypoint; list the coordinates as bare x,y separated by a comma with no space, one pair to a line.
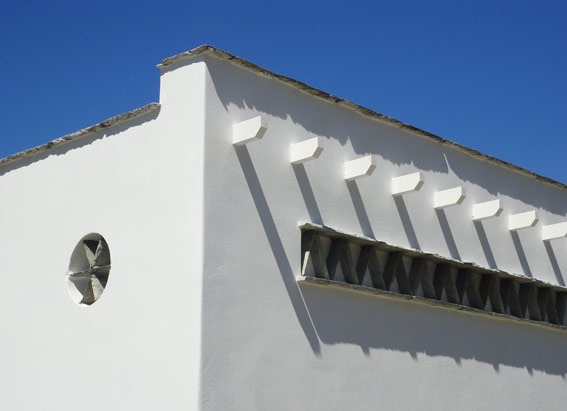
89,269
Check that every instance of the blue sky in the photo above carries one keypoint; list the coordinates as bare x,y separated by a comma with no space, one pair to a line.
491,75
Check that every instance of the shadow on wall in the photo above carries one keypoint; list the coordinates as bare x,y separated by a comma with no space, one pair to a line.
554,263
407,224
448,234
307,193
319,117
277,247
499,181
360,209
378,324
374,323
89,138
521,254
370,136
487,250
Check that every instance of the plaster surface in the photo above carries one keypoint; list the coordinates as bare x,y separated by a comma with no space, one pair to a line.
269,343
140,185
202,309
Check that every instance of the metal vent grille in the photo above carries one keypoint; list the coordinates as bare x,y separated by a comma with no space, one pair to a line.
332,257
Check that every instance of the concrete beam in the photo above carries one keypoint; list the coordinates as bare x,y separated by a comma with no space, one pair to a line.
450,197
395,269
455,283
554,231
486,210
512,299
407,183
359,168
312,251
522,220
465,286
339,253
367,260
248,130
306,150
495,295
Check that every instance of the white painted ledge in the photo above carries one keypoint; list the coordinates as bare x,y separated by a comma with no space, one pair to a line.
450,197
248,130
488,209
407,183
306,150
359,168
554,231
522,220
363,290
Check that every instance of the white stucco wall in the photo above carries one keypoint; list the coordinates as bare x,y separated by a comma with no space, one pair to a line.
140,185
269,344
202,310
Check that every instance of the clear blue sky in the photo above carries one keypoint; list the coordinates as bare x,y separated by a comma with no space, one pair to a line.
491,75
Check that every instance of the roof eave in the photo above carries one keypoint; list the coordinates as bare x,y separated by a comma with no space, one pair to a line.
210,50
77,135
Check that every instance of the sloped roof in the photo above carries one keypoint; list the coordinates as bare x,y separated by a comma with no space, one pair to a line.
110,122
210,50
213,51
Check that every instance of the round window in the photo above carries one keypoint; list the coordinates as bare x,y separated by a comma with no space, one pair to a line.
89,269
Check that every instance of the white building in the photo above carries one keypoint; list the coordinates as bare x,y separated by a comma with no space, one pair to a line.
275,247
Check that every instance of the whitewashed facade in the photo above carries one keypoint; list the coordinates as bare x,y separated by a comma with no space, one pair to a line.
214,300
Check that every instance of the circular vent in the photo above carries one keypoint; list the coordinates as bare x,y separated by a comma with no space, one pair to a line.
89,269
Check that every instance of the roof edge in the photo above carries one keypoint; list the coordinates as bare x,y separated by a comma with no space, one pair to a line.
355,107
77,135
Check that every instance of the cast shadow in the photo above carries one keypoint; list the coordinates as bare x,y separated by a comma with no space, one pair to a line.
321,118
506,183
232,85
554,263
446,229
521,254
277,247
307,193
377,323
485,244
360,209
406,222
